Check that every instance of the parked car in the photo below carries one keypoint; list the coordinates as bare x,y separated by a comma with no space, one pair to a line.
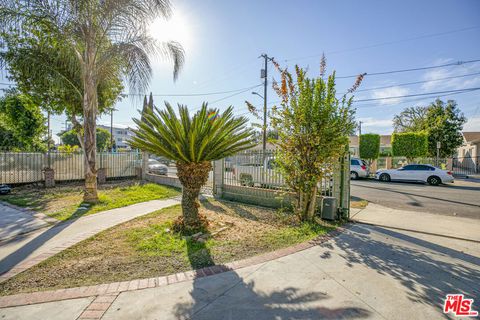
4,189
358,169
163,160
416,173
155,167
252,174
267,175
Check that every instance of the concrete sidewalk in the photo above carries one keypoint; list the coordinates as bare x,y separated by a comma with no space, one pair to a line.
22,253
451,226
15,221
365,272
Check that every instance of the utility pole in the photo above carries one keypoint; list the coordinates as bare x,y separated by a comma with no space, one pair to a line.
359,128
111,130
265,75
49,137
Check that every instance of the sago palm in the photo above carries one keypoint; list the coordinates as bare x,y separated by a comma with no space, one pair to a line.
193,143
98,38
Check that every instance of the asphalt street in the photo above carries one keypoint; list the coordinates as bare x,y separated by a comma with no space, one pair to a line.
461,198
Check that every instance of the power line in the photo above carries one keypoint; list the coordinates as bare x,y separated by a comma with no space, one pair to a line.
458,63
420,94
384,43
415,100
235,94
417,82
193,94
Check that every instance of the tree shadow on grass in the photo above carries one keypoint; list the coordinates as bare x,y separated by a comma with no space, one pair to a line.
428,271
228,296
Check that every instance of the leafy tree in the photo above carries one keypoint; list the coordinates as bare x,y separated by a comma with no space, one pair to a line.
103,139
192,142
410,120
410,145
22,125
442,121
313,128
98,41
369,146
68,149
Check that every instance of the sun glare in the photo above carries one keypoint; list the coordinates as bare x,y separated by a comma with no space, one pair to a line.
174,29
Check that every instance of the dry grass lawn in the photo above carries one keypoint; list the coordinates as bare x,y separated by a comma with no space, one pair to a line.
145,247
64,201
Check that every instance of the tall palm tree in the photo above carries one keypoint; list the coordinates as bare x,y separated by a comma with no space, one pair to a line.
193,143
96,35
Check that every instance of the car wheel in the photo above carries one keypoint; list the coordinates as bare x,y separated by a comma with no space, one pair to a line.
353,175
434,181
384,177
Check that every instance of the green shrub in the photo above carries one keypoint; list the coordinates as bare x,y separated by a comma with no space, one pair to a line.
410,145
369,146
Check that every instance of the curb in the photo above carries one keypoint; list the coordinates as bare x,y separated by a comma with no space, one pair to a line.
115,288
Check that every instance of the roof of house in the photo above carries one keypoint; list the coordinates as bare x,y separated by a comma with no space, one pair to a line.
471,136
384,140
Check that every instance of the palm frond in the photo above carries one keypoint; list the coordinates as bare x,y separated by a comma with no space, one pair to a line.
192,139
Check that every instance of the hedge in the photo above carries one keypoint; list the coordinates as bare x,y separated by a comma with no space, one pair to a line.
369,146
410,145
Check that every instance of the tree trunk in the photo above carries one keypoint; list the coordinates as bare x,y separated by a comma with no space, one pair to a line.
90,107
192,176
312,206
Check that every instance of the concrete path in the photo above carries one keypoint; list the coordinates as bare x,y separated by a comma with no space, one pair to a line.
367,272
15,221
451,226
21,253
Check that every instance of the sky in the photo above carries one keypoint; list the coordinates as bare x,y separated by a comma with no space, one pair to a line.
224,39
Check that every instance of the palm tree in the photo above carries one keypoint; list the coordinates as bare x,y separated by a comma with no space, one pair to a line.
98,39
193,143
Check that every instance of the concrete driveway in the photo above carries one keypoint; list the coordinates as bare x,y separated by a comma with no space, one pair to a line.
14,222
366,272
458,199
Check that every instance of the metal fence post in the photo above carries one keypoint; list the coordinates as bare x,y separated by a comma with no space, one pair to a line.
218,172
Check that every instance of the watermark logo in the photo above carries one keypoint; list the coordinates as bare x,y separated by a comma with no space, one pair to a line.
459,306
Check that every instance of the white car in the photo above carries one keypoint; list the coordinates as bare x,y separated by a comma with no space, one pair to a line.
156,167
358,169
416,173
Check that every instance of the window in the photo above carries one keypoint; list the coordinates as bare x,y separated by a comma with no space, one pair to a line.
354,162
409,167
424,168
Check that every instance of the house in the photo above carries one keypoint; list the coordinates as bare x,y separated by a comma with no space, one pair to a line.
385,144
121,134
471,145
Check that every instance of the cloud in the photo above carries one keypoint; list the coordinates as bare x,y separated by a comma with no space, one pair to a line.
473,124
389,92
381,126
451,84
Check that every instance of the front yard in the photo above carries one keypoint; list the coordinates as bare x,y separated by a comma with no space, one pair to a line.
146,247
65,201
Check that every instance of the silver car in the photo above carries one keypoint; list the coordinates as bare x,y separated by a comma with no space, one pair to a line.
155,167
358,169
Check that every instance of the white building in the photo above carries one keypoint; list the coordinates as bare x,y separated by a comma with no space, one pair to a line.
121,134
